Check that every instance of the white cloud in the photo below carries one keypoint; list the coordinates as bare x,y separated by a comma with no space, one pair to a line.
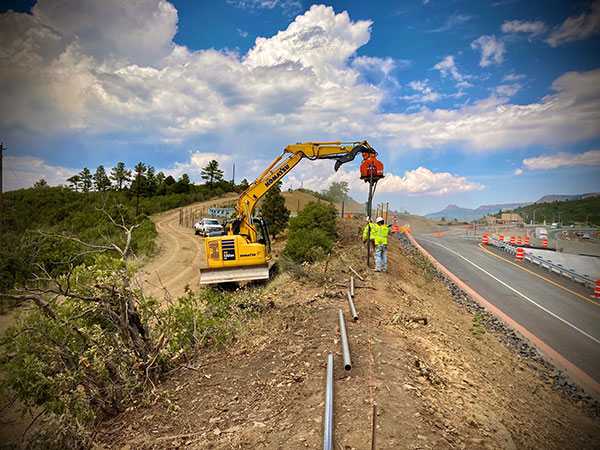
453,21
422,181
534,28
518,171
199,160
446,66
513,77
425,93
490,48
560,159
23,171
242,33
576,28
570,114
507,90
288,6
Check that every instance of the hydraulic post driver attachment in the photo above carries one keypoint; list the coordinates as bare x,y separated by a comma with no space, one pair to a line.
371,169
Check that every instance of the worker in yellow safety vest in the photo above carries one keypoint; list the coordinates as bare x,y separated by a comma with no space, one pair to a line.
378,233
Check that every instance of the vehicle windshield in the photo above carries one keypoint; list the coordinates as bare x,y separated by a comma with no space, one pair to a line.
211,222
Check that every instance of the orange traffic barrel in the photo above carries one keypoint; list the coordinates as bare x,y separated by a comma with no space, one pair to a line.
484,239
518,240
452,233
512,240
527,240
597,289
437,234
501,238
519,256
545,243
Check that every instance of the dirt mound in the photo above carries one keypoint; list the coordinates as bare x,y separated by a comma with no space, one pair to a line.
447,384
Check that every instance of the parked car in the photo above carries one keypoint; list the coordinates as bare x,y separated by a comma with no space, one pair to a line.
208,227
586,236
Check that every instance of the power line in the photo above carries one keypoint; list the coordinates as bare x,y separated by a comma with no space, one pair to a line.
14,173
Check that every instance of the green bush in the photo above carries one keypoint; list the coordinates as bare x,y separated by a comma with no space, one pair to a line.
312,233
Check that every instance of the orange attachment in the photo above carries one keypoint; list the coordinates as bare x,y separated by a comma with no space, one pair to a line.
371,163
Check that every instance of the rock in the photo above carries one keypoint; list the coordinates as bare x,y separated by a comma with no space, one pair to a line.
216,431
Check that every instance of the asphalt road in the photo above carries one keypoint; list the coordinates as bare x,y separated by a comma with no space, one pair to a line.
571,234
566,320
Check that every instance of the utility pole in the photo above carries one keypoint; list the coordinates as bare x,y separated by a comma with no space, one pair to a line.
137,197
1,150
233,178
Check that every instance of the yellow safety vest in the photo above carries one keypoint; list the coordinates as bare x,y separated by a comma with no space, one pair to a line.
378,233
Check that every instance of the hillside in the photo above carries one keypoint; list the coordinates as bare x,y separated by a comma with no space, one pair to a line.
562,198
568,212
456,212
448,384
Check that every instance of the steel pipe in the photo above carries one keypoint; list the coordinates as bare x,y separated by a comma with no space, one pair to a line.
328,419
352,309
352,286
345,349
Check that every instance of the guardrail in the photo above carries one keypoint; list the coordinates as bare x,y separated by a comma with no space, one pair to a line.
544,263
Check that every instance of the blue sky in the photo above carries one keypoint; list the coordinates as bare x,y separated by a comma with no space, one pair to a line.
467,102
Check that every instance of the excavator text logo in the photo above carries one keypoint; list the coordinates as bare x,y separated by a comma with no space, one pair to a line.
281,172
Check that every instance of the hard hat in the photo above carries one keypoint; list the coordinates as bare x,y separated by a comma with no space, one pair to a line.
379,219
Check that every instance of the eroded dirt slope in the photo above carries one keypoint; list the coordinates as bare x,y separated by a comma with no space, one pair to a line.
442,385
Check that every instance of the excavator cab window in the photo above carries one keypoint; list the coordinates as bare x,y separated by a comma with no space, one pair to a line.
263,233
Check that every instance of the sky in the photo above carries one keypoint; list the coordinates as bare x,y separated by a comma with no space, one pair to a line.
466,102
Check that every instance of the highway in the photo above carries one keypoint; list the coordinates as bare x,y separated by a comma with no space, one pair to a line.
560,313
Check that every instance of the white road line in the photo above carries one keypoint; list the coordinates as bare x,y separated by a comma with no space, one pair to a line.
517,292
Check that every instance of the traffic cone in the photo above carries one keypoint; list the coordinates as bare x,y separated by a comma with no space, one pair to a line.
519,256
597,289
545,243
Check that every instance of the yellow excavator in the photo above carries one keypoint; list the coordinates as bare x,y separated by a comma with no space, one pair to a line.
244,253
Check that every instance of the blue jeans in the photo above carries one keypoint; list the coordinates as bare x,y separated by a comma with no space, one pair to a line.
381,257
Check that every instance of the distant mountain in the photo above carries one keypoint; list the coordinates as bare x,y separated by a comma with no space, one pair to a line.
458,213
562,198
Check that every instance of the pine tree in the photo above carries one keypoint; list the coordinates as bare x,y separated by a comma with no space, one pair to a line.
120,175
212,173
86,179
75,180
101,180
274,211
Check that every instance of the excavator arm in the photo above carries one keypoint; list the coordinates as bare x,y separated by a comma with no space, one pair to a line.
342,152
241,255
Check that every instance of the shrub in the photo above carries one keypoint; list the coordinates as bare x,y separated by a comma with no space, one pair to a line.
312,233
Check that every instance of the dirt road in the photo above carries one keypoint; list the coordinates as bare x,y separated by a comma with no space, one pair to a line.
180,255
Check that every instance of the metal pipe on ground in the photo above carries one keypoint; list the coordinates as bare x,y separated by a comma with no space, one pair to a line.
345,349
328,419
352,309
356,273
352,286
